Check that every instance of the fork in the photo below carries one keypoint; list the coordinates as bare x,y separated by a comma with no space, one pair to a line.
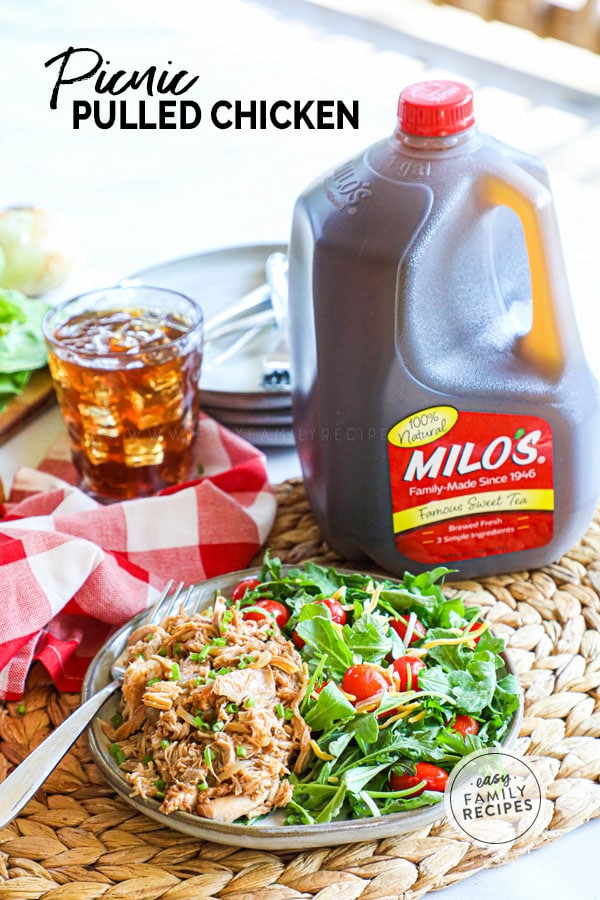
29,775
276,364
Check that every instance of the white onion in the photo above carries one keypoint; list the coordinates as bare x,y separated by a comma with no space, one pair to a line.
36,250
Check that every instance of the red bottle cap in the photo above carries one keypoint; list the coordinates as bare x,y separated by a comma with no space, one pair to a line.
435,108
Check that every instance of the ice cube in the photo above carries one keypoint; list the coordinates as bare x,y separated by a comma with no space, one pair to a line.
97,448
144,451
99,419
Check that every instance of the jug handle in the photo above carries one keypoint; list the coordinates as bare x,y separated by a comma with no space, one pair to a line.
532,202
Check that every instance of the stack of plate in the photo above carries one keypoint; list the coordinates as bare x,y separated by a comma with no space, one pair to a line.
232,383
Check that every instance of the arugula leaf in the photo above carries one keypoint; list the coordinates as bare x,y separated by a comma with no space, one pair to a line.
356,779
487,641
337,746
474,686
319,632
449,613
367,638
506,696
449,656
427,798
459,745
331,707
434,678
326,580
419,593
332,808
297,814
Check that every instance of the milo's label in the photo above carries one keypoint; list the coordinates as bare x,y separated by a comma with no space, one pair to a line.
470,484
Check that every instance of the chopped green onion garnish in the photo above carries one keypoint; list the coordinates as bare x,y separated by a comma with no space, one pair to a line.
249,702
218,642
117,754
164,744
21,709
159,784
289,714
279,711
147,759
231,708
175,673
240,751
162,651
116,720
202,786
208,756
218,726
152,681
177,647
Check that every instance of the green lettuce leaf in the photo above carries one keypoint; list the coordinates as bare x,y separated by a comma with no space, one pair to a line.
22,346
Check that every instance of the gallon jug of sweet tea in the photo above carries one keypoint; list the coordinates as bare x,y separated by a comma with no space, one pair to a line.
444,412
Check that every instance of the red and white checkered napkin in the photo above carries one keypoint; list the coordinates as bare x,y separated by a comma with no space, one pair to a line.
71,570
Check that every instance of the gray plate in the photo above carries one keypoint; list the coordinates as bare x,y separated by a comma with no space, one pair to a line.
277,418
215,280
269,833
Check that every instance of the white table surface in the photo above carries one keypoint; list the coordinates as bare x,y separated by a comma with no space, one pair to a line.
139,197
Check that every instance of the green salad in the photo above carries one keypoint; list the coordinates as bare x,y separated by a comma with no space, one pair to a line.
403,682
22,347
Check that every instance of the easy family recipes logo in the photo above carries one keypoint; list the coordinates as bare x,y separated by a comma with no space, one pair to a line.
136,100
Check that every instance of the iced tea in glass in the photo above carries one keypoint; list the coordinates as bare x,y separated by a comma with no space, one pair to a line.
125,362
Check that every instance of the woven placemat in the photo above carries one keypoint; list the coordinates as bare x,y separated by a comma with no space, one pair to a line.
77,840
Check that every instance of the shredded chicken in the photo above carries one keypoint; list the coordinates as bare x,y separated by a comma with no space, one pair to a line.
210,709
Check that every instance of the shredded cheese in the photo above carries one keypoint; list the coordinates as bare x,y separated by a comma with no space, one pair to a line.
320,753
372,603
406,711
469,636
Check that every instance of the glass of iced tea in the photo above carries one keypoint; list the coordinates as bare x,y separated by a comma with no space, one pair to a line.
125,362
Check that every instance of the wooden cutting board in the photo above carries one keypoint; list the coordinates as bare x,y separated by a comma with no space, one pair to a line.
37,396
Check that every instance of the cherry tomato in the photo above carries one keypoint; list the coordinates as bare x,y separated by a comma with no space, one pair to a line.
472,627
465,725
298,641
338,613
435,779
408,668
277,609
400,626
246,584
363,680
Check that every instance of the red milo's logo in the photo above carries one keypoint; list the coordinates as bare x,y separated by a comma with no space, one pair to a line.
469,484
